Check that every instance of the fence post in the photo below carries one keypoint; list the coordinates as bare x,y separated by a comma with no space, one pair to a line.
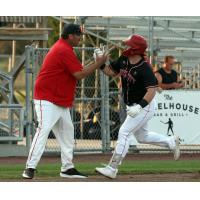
105,114
10,101
103,126
28,110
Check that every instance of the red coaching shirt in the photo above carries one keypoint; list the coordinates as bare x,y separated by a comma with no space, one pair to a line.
55,82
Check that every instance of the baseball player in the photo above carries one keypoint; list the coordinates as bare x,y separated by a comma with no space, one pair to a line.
139,87
54,93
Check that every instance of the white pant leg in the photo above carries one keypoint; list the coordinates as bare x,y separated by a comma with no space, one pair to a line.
64,132
146,137
132,140
130,126
47,115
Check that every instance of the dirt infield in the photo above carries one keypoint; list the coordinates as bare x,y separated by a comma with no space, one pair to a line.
168,177
104,158
100,158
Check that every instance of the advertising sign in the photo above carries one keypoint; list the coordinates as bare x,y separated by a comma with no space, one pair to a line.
178,112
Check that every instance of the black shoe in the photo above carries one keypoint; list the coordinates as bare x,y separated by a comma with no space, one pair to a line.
28,173
72,173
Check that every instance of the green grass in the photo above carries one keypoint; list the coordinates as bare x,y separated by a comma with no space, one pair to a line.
50,171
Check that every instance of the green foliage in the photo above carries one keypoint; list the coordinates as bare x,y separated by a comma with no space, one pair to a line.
54,34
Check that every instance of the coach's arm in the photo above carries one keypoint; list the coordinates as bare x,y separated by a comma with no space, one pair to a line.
91,68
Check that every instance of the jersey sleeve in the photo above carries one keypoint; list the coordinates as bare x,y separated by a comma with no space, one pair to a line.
148,77
71,62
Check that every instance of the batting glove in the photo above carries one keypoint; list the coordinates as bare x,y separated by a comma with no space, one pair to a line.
97,53
133,110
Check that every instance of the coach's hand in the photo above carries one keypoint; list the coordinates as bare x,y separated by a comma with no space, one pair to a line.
133,110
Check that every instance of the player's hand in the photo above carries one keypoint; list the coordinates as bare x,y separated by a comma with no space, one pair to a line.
181,84
133,110
97,53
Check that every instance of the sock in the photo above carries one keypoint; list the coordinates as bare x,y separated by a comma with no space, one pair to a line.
115,161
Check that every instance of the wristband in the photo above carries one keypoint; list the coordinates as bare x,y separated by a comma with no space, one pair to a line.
102,67
143,103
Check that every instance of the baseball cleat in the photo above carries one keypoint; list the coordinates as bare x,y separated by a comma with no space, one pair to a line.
72,173
28,173
176,150
107,171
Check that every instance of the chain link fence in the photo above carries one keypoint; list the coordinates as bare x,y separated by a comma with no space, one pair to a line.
11,123
89,114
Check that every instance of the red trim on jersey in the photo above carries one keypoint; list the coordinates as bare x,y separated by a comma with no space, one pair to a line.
39,130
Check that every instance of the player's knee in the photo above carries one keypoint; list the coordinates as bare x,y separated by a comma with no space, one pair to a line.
140,139
123,136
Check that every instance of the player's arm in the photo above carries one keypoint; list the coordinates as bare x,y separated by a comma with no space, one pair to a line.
151,91
107,70
151,85
136,109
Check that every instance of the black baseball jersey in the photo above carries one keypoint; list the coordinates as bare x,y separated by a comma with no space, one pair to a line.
168,77
136,78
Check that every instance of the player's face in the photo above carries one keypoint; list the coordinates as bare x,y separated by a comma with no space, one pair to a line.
170,63
75,39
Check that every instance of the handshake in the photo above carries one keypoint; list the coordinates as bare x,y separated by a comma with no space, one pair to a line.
98,53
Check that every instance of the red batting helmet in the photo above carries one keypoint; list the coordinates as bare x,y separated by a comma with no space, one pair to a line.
137,45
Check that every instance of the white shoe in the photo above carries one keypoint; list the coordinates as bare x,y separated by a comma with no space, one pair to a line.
176,150
107,171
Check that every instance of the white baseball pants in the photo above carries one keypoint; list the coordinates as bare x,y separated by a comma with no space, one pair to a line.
56,118
138,126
